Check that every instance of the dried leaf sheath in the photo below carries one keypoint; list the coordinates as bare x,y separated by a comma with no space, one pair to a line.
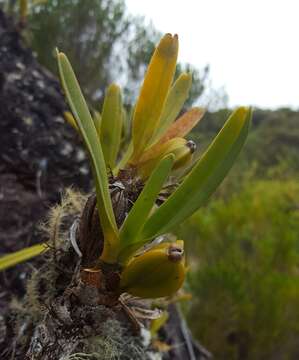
123,192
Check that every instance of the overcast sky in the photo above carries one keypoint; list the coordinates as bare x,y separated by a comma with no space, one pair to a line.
252,46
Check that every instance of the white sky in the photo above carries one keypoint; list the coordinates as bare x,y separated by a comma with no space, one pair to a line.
252,46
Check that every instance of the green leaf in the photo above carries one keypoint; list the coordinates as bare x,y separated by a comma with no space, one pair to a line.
175,100
18,257
111,125
70,119
97,119
88,132
126,121
153,93
125,158
204,178
140,211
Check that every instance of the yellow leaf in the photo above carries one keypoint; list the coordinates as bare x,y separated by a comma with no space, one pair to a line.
177,130
153,93
172,142
176,98
168,147
183,125
18,257
179,147
71,120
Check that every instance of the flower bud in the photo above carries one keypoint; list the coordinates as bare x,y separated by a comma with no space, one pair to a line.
156,273
180,147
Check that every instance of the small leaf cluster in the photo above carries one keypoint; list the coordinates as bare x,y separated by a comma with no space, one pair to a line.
157,148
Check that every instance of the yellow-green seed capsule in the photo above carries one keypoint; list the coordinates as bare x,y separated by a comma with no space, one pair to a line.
156,273
183,155
180,147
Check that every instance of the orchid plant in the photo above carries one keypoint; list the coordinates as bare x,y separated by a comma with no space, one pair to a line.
138,198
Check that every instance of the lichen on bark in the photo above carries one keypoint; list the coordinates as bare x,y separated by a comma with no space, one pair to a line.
60,316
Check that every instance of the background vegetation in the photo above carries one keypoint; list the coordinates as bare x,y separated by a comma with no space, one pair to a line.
103,42
244,246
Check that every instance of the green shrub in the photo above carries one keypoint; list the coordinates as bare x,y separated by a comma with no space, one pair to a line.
245,281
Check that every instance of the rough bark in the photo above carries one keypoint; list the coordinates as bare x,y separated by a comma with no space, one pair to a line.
39,154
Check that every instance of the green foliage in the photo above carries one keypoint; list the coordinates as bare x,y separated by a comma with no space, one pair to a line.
92,142
204,178
10,260
88,31
197,186
111,124
245,272
174,102
276,135
273,140
144,204
157,271
103,43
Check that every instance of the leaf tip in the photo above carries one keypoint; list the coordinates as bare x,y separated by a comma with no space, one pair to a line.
168,46
186,76
113,87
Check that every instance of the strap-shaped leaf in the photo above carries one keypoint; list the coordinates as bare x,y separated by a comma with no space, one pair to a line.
18,257
178,129
140,211
125,158
111,125
183,125
97,120
88,132
126,121
178,147
204,178
153,93
70,119
160,151
175,100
